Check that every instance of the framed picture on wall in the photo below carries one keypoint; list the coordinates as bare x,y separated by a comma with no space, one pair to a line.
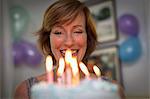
105,19
108,61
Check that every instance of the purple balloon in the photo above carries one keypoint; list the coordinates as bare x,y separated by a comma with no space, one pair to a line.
27,53
17,52
31,53
128,24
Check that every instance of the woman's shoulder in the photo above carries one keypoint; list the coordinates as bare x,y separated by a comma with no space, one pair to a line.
22,90
42,77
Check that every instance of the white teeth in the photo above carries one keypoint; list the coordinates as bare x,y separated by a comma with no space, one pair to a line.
73,51
63,52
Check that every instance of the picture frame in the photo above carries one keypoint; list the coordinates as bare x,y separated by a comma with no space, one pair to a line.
107,59
104,14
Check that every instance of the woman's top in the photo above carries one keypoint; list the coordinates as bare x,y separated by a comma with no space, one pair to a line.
30,82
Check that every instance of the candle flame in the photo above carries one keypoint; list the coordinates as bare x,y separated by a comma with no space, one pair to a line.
61,67
68,56
74,66
49,63
84,69
97,71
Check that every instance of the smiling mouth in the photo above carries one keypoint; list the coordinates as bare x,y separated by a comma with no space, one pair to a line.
74,52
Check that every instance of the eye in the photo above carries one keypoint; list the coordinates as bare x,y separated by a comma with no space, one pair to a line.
78,32
57,33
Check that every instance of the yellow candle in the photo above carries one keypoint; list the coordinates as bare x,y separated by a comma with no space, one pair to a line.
49,69
75,71
61,67
84,69
68,73
60,71
97,71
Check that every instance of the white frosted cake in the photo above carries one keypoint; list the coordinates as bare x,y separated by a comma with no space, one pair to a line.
87,89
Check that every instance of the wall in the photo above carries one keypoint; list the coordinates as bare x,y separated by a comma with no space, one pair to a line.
12,76
7,69
0,49
148,25
135,76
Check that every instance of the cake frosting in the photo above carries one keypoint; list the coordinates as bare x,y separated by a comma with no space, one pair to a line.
87,89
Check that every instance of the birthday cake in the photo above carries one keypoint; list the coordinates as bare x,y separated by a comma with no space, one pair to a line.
87,89
69,85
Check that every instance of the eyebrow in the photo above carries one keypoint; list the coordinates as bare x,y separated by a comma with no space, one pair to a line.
58,26
62,27
78,26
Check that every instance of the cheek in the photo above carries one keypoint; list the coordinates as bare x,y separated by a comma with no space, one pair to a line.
55,42
82,44
82,41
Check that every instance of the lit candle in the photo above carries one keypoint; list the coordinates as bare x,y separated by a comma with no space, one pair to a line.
84,69
75,71
68,56
61,67
60,71
49,69
97,71
68,73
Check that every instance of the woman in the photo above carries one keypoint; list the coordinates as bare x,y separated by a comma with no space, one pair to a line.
67,24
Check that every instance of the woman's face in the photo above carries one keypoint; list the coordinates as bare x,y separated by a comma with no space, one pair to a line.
71,36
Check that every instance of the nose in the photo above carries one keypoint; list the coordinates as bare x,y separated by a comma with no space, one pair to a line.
69,40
